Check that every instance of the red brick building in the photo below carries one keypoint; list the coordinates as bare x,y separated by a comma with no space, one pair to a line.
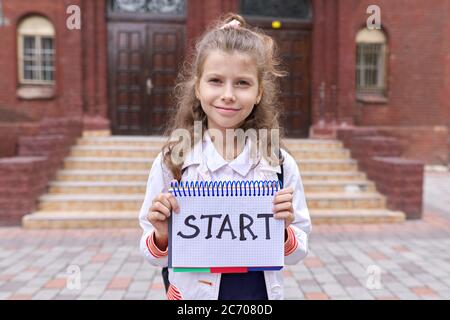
117,70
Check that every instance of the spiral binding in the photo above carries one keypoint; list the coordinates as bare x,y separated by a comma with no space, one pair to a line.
225,188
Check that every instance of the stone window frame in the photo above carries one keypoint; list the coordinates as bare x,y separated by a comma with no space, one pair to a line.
376,42
38,28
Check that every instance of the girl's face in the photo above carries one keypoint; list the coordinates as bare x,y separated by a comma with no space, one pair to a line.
228,88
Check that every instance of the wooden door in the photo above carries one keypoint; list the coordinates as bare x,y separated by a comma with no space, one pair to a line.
127,64
294,46
143,66
165,54
293,36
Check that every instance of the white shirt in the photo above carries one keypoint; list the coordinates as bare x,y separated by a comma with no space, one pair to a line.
205,163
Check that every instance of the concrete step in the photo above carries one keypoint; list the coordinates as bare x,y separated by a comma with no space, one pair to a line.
130,202
96,133
156,141
356,216
91,202
130,219
345,201
104,180
327,165
97,187
83,163
152,152
81,220
142,175
102,175
139,187
332,175
339,186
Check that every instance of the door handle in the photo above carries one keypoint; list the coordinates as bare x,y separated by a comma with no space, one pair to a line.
149,86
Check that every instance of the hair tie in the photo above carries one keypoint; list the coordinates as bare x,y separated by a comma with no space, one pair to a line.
233,24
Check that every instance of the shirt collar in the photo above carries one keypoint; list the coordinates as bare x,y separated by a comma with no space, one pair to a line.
214,161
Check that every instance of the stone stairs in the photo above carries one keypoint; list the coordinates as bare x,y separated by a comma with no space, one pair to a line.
104,178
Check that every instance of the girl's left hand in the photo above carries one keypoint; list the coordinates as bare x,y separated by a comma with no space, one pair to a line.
283,208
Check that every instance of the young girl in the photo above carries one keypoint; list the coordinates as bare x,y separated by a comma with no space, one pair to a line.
231,84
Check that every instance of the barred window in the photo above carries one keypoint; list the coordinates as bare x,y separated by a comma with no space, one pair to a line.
36,41
370,62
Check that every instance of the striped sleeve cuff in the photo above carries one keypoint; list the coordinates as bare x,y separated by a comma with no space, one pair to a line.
154,250
291,243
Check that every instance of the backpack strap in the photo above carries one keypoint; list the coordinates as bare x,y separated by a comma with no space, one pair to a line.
281,174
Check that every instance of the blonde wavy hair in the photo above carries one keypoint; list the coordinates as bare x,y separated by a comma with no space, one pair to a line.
243,39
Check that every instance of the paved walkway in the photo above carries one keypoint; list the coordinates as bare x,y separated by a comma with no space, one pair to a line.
401,261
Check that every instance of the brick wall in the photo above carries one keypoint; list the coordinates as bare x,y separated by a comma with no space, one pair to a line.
81,64
402,181
40,154
417,109
398,178
417,59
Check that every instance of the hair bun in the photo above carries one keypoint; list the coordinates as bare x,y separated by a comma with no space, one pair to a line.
229,17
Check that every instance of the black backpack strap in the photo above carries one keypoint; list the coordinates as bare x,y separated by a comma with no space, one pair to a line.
281,174
165,276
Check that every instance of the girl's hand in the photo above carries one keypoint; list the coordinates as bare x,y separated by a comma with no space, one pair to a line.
160,211
283,208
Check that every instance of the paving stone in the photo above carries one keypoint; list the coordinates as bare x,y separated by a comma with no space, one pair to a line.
311,288
135,295
337,269
348,280
325,278
412,254
156,295
27,290
142,286
24,276
397,287
407,296
113,295
45,294
293,294
290,283
12,286
410,282
359,293
4,295
380,293
316,296
144,275
73,293
333,290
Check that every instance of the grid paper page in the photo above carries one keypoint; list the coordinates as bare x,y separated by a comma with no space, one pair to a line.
200,252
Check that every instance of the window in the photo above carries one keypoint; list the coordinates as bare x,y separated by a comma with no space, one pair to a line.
295,9
165,7
36,41
370,62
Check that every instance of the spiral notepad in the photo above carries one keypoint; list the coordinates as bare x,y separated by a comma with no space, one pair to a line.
225,226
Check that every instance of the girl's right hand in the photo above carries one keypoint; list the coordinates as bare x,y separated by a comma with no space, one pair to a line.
160,211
